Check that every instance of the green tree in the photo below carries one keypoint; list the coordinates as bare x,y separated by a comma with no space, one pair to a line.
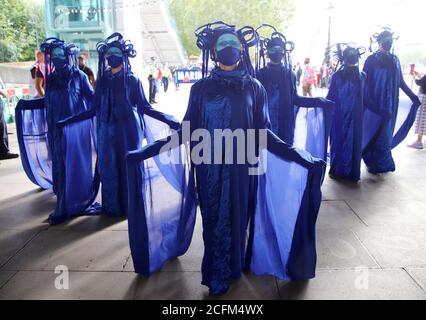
21,29
191,14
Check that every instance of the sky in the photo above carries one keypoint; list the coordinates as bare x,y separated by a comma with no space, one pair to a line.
355,21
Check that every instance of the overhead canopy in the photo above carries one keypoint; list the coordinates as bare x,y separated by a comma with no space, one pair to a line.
159,37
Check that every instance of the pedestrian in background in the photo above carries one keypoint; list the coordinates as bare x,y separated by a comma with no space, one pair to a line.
420,127
309,78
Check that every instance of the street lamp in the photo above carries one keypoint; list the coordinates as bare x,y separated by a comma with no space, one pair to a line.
327,56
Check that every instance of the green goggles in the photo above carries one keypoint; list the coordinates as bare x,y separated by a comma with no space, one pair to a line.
227,40
113,51
58,53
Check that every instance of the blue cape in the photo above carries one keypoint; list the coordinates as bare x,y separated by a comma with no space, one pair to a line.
387,120
347,91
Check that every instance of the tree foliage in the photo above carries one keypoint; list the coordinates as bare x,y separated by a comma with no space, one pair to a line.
191,14
21,29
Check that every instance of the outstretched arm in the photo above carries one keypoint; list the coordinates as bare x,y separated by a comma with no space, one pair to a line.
308,102
275,144
155,148
146,108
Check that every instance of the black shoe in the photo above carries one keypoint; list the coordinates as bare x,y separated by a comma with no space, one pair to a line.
8,156
153,101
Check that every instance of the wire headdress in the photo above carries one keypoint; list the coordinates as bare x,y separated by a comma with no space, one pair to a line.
71,53
208,34
342,51
379,37
275,39
115,40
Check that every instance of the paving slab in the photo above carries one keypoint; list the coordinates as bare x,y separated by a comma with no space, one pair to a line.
40,285
79,251
357,284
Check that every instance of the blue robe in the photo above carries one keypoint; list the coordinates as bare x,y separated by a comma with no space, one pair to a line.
119,103
56,153
279,207
347,91
279,81
382,131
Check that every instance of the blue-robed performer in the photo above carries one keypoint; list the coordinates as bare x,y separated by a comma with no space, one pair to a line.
279,80
119,106
347,91
58,154
387,120
278,201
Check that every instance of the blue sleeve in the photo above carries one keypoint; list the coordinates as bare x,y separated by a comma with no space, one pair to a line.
88,92
138,97
261,115
308,102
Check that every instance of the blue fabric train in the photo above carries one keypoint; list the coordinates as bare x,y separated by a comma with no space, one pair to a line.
387,120
120,105
279,81
279,207
58,154
347,91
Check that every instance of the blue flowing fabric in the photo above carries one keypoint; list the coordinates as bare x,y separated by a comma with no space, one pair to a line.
279,81
281,220
120,104
57,153
162,204
347,91
387,121
69,93
31,128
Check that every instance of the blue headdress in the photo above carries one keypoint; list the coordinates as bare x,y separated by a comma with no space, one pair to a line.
208,34
115,40
275,39
71,53
343,52
376,38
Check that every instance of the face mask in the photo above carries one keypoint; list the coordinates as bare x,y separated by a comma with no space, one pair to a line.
59,63
229,56
276,56
114,57
228,49
114,61
58,58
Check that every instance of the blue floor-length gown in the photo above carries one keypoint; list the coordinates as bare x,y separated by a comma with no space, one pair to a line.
56,153
120,104
347,91
281,206
382,131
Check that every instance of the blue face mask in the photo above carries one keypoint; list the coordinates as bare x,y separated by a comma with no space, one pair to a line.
114,61
114,57
59,59
228,49
276,54
229,56
59,63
